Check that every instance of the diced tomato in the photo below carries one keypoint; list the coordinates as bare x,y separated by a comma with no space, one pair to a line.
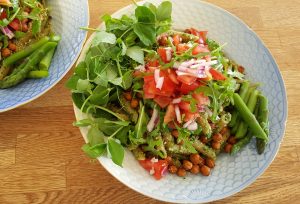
201,98
163,40
170,114
201,34
176,39
217,75
173,76
16,24
149,78
149,89
188,80
153,63
190,116
181,48
185,89
163,54
159,167
3,15
200,49
184,105
162,101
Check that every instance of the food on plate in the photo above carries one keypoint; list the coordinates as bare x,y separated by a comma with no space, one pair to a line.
27,42
171,97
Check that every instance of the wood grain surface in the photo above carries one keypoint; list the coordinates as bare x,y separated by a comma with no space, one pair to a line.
40,156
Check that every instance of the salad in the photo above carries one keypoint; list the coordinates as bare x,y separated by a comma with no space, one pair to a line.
171,97
27,43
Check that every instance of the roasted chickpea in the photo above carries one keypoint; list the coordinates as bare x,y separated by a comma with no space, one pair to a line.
210,163
169,159
195,169
228,148
12,46
6,52
241,69
173,169
205,170
216,145
175,133
231,140
163,40
134,103
196,158
217,137
127,96
139,95
203,139
224,130
181,172
187,165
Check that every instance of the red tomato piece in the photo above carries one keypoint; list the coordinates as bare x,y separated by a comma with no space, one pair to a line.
217,75
173,76
3,15
181,48
190,116
16,24
176,39
152,63
184,105
201,98
163,54
201,34
159,167
170,114
200,49
162,101
188,80
185,89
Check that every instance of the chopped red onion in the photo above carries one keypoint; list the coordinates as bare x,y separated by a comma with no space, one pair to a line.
193,126
187,123
140,68
151,123
160,83
6,31
168,54
177,112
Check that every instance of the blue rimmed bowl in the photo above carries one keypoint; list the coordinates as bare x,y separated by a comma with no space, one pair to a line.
68,17
232,173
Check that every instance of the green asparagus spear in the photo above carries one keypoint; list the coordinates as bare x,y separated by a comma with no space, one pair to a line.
248,117
30,62
263,120
206,129
46,61
242,129
24,53
205,150
37,74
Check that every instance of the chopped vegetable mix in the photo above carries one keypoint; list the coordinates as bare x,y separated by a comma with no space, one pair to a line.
171,97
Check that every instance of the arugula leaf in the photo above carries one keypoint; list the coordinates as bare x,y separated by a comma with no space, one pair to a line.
100,95
83,85
104,37
145,27
112,24
184,136
151,6
94,151
164,11
72,82
83,123
95,136
81,70
127,79
136,53
116,151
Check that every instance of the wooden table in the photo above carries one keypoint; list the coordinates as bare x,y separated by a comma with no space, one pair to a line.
40,156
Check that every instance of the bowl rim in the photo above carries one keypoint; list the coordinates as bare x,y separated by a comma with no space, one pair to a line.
63,74
273,153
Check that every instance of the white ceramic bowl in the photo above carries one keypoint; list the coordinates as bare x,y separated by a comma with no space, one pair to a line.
68,17
232,173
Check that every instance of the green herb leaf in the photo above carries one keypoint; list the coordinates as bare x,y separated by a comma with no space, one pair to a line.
36,26
104,37
94,151
116,151
72,82
164,11
136,53
83,123
100,96
83,85
95,136
141,126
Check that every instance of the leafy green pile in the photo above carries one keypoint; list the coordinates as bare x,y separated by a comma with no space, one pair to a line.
107,70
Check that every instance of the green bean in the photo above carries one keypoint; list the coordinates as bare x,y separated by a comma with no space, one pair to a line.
248,117
244,90
251,104
30,62
38,74
55,38
205,150
3,72
241,143
46,61
24,53
263,120
233,120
